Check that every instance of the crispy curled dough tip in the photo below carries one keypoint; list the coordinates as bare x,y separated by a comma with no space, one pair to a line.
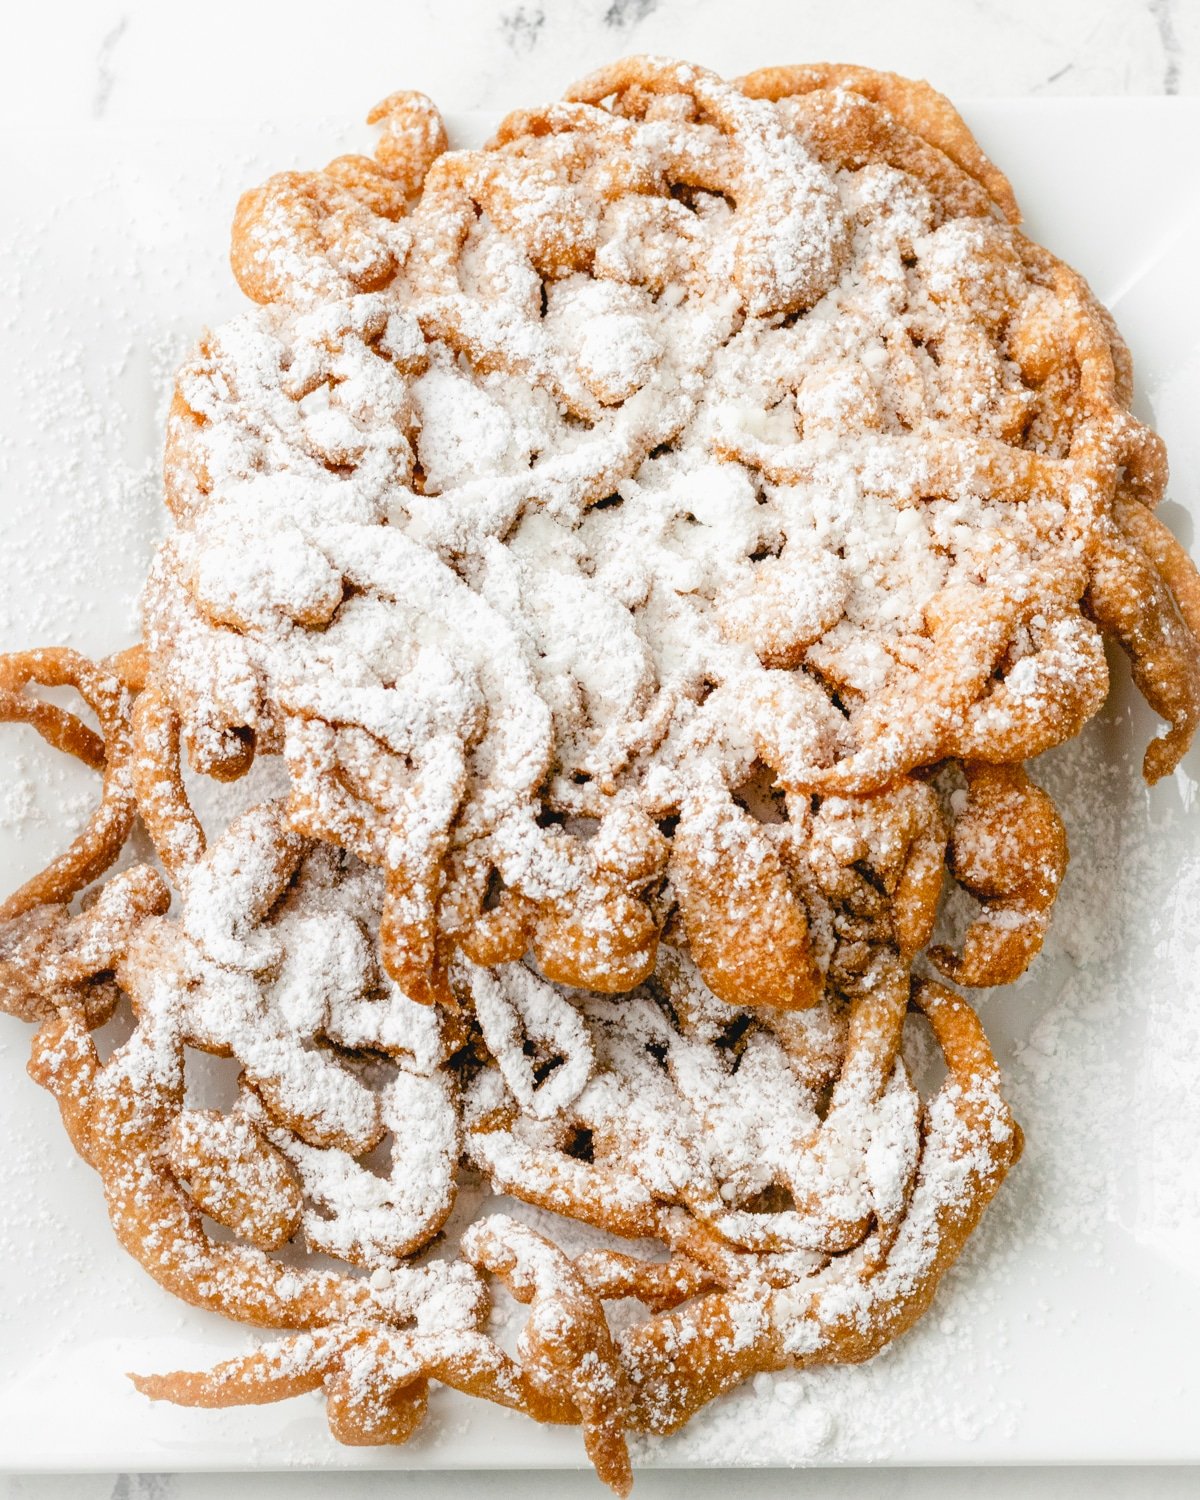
918,106
1130,598
110,751
611,1274
162,799
60,729
413,137
385,1416
566,1340
132,666
970,1061
1009,850
1164,549
306,234
250,1380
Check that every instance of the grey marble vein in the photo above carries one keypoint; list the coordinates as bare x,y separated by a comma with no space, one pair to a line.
1163,12
623,14
521,27
105,70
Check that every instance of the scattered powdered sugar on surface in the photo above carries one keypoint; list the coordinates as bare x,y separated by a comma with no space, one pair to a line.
1080,1067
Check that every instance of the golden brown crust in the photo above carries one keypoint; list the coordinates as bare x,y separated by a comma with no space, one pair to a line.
921,109
1009,849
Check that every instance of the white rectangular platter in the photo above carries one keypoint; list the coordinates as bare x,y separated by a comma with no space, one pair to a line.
1068,1331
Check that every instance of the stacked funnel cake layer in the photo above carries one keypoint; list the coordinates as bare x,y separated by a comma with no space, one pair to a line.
648,551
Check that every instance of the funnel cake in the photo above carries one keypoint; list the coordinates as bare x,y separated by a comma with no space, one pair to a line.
651,547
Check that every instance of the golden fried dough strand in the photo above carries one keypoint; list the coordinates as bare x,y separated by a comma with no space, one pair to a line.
566,1367
1129,597
103,839
304,234
1169,556
925,112
49,957
162,799
1009,849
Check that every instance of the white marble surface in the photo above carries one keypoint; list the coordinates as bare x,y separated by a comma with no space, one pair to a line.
232,61
137,60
